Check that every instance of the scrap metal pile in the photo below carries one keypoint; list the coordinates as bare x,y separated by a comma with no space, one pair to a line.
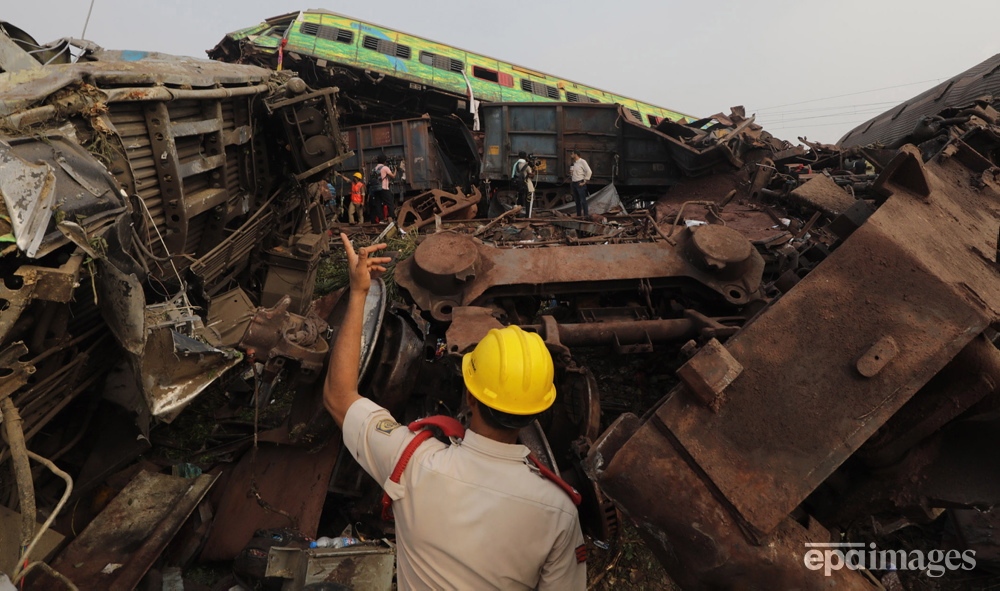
822,321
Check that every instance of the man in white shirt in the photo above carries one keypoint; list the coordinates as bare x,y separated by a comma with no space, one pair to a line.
579,175
521,178
475,514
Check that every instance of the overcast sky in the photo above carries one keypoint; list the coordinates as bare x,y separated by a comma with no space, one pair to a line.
806,68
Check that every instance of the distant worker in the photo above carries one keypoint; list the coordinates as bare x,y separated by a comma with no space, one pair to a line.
472,515
579,175
357,203
318,193
521,179
382,200
336,202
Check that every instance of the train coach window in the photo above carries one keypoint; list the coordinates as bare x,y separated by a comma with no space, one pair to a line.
441,62
593,100
540,89
636,114
572,97
387,47
327,32
493,76
484,74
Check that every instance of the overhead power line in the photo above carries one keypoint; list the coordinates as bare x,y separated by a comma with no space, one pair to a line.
803,127
826,116
830,108
848,94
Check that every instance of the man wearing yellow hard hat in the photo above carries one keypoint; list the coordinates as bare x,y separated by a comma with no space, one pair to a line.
479,514
357,205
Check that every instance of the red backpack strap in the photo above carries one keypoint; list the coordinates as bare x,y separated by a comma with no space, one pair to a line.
448,426
552,476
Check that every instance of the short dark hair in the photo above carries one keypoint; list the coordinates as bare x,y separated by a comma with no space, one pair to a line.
381,159
571,152
522,154
503,420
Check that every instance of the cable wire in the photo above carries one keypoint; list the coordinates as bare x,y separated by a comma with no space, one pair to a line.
848,94
87,22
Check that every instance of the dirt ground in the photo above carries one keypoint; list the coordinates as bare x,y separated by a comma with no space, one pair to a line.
626,564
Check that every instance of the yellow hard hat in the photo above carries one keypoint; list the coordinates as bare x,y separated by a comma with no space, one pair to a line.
511,371
357,175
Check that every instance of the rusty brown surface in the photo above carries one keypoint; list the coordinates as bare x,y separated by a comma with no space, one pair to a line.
469,324
450,270
801,407
421,210
129,535
278,486
700,543
709,373
277,333
822,192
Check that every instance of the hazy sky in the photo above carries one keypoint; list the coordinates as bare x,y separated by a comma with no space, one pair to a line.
806,68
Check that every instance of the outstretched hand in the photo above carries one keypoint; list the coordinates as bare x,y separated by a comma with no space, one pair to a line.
361,265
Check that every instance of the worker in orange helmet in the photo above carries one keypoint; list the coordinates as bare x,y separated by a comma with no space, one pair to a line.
480,514
357,205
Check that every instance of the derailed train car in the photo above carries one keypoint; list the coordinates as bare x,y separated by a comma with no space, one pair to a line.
140,193
839,385
833,329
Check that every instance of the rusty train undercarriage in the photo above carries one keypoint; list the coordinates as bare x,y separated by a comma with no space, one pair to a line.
822,321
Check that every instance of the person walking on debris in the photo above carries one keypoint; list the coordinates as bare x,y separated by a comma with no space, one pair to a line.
357,204
521,179
579,175
475,514
383,198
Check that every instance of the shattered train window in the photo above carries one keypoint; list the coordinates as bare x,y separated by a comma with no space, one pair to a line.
327,32
441,62
540,89
493,76
387,47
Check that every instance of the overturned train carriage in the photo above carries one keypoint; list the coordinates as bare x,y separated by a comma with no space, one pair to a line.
864,395
140,191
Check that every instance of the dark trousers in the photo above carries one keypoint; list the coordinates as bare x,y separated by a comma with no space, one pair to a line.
522,200
580,195
382,206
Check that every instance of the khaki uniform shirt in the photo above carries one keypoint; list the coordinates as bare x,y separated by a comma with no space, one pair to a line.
471,515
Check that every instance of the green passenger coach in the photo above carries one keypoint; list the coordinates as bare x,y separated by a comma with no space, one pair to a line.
333,40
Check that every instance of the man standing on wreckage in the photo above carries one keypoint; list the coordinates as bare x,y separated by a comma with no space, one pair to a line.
476,514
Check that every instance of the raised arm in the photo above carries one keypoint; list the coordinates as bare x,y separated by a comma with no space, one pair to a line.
340,390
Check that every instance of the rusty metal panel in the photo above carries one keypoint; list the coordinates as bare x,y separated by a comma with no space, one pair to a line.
616,150
815,385
701,544
451,270
276,486
120,545
421,210
409,142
